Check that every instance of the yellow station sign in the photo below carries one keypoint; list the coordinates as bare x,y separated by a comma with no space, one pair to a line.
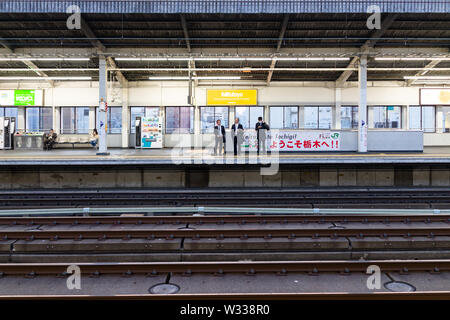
231,97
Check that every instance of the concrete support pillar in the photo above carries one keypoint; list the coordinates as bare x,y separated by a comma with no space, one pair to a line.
405,117
102,83
56,119
337,109
198,142
125,118
266,114
362,110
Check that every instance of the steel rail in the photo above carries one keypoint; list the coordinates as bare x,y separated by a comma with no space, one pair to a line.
243,233
221,268
416,295
224,219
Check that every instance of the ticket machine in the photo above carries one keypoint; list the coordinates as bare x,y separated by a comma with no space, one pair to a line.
137,125
7,127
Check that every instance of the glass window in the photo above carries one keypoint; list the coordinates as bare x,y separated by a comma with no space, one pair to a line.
179,119
82,120
317,117
243,113
324,117
255,113
284,117
38,119
8,112
134,113
75,120
310,117
32,119
276,117
67,120
209,116
386,117
290,117
422,118
114,119
46,119
349,117
248,116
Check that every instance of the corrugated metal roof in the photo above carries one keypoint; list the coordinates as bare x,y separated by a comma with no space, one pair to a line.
225,6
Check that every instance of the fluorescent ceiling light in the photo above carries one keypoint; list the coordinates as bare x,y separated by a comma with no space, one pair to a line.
409,59
196,78
168,78
206,59
426,77
217,78
232,59
286,58
179,59
128,59
44,59
44,78
258,59
336,59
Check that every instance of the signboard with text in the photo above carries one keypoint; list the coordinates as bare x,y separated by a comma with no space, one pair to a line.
291,140
231,97
435,96
21,97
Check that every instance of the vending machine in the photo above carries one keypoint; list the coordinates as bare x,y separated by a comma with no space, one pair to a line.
151,130
7,127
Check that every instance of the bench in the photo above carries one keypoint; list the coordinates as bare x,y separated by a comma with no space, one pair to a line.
84,139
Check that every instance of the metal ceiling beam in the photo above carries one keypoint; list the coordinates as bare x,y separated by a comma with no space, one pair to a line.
90,35
186,33
279,43
376,35
430,66
29,64
191,63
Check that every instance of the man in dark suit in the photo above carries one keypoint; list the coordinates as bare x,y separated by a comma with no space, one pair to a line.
219,134
237,130
50,140
261,131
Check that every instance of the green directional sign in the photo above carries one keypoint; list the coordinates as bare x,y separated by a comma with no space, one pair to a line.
24,97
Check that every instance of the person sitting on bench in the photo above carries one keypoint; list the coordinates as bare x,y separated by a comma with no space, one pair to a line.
93,139
50,140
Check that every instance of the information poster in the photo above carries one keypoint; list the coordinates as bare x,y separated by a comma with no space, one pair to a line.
21,97
151,130
284,140
232,97
434,96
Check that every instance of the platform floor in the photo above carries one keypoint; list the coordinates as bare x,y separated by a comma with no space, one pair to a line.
86,156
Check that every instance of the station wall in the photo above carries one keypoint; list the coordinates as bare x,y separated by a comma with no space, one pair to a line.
163,94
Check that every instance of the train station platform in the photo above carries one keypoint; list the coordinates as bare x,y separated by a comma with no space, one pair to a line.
117,157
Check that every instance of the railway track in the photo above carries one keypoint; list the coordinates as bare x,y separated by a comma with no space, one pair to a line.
312,197
222,268
181,274
221,227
